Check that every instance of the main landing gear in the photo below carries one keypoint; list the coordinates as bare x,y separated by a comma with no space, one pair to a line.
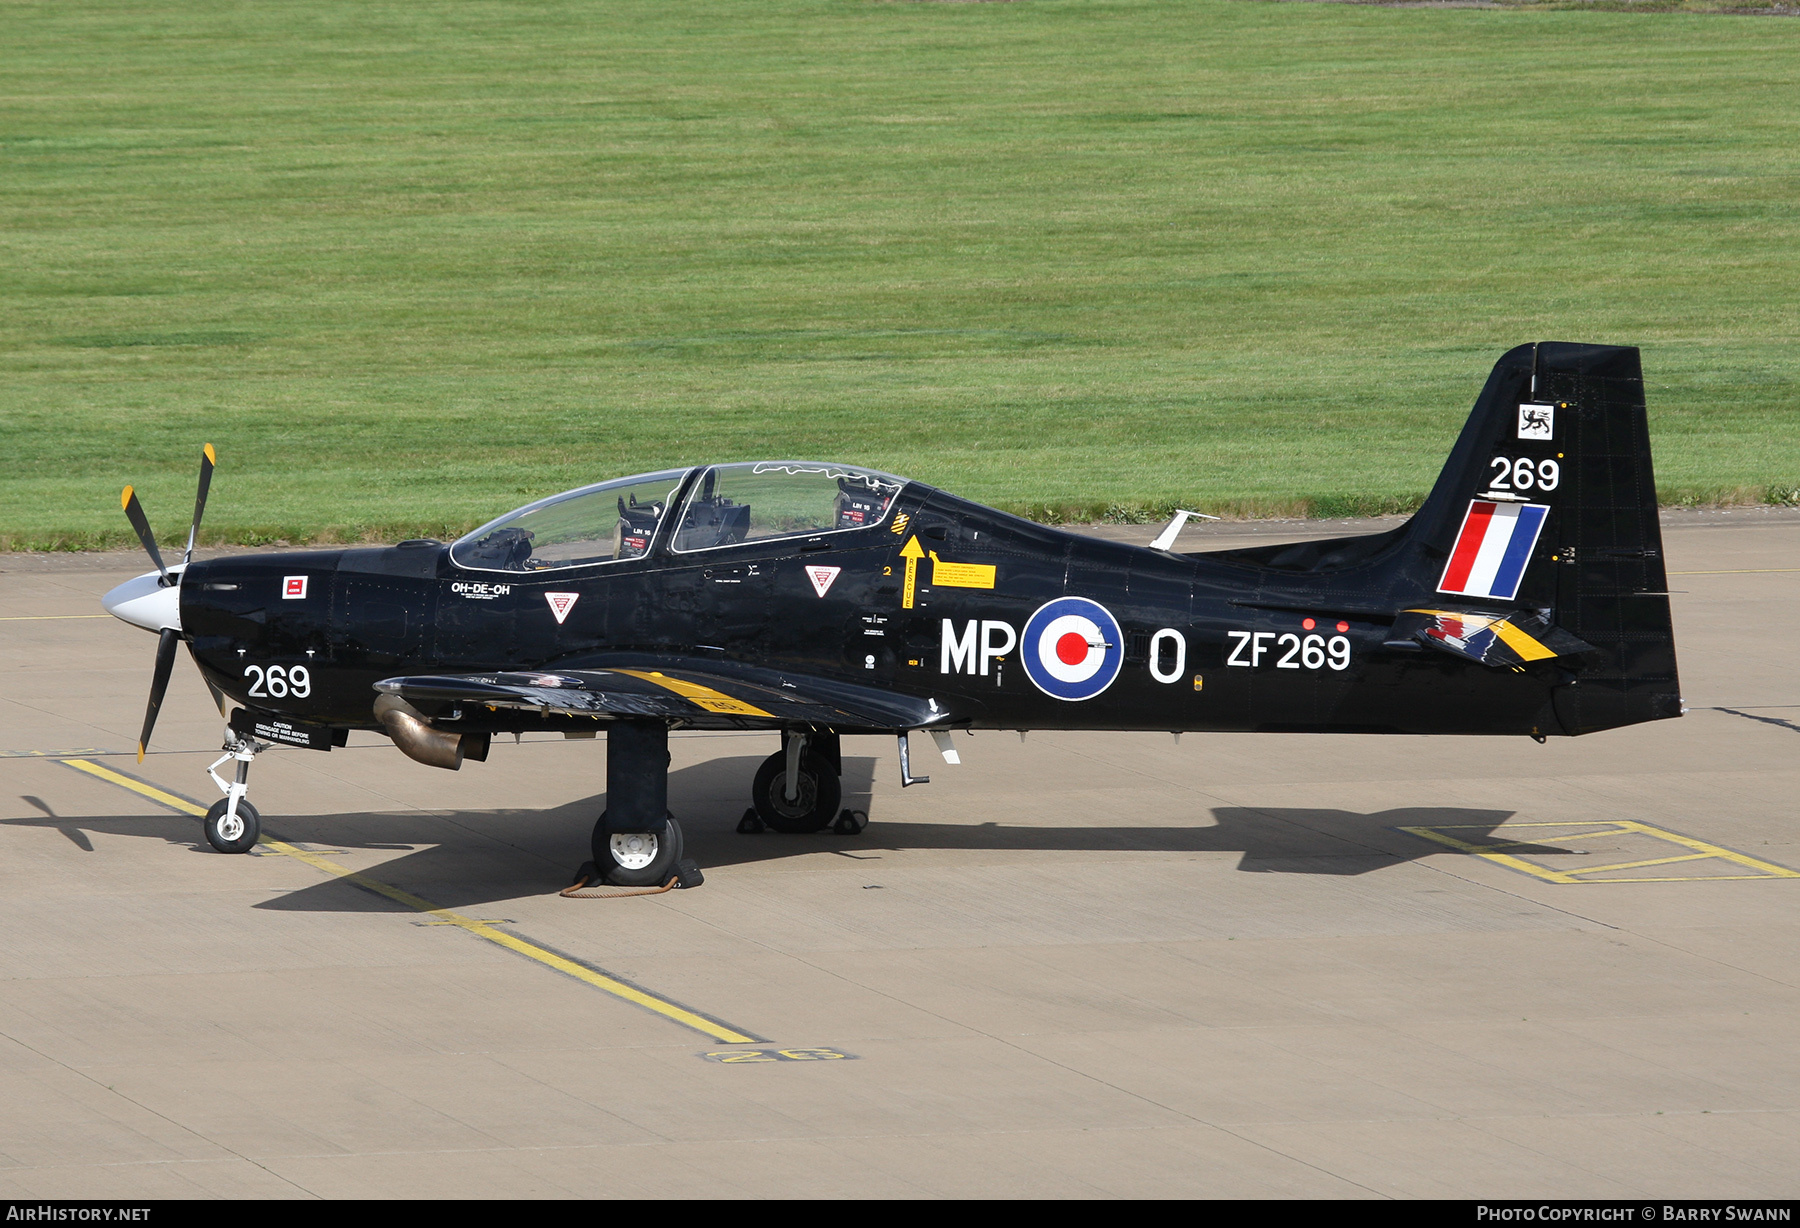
637,842
797,789
232,823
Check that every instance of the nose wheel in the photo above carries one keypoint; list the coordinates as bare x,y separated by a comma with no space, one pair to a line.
232,831
232,825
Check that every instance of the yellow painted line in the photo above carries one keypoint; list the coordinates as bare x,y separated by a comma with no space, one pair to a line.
1639,865
474,925
1519,844
137,786
1736,571
1619,827
1742,859
704,696
1510,862
47,618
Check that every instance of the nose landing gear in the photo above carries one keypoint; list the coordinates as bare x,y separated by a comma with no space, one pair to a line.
232,824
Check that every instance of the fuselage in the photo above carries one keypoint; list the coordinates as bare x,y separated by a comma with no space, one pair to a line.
942,599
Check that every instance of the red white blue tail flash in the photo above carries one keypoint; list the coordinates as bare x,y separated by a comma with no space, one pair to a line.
1491,551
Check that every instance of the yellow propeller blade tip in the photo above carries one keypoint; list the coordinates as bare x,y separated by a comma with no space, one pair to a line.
140,752
210,454
125,499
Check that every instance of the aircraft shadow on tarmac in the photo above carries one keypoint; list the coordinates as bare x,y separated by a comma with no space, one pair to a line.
474,858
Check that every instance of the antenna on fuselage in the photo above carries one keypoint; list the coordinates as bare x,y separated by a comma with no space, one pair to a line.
1167,537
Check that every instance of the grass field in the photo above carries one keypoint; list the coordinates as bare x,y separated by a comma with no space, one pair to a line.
408,265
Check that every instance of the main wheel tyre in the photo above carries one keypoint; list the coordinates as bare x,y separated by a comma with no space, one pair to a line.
637,858
232,835
816,800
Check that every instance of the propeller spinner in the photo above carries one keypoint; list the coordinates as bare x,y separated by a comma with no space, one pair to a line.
153,600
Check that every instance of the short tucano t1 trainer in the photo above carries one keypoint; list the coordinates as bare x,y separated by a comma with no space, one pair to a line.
1527,596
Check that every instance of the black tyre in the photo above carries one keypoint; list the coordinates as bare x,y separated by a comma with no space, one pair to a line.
816,804
230,835
637,858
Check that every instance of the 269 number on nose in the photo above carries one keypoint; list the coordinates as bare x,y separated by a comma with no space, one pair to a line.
276,682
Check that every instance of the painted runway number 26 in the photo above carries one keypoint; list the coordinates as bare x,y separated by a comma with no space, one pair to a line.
1289,651
737,1057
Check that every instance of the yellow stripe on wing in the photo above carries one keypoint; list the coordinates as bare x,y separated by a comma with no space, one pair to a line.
693,692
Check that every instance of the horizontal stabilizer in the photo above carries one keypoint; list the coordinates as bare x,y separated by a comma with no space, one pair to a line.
683,696
1514,639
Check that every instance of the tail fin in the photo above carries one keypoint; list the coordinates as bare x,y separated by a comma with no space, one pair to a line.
1542,525
1548,503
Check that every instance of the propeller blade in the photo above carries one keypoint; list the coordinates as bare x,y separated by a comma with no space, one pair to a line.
207,460
219,698
159,682
134,512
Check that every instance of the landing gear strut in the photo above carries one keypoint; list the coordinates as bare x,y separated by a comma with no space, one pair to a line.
797,788
232,824
637,842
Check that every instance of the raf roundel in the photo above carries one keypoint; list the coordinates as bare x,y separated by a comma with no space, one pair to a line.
1072,648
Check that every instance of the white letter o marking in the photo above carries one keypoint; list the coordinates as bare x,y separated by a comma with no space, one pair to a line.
1174,675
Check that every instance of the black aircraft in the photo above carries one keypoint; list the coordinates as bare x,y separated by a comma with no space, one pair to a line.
1527,596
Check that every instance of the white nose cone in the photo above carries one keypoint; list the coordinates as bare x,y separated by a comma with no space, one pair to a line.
143,602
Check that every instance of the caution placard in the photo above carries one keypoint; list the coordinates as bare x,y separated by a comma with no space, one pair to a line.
960,575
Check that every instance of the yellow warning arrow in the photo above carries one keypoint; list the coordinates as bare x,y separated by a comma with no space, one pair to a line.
912,554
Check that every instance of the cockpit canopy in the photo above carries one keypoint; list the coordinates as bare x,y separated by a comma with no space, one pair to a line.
721,506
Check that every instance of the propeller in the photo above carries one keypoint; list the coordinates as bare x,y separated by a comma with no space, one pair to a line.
207,460
161,615
159,682
134,512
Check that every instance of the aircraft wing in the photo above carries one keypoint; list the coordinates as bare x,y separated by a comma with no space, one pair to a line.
687,696
1491,639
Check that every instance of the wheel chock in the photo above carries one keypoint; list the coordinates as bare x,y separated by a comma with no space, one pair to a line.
751,824
687,873
851,823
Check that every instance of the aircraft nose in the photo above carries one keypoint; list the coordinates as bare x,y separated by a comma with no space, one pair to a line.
143,602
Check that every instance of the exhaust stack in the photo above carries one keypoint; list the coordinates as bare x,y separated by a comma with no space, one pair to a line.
418,741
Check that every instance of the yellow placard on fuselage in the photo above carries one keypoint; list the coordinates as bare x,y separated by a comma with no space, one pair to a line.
960,575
